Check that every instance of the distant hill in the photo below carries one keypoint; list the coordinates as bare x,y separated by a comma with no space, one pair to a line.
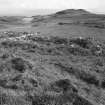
72,17
11,19
73,12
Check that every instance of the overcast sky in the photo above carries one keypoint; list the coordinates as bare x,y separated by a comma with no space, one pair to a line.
21,6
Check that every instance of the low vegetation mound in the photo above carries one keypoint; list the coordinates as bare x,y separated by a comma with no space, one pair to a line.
18,64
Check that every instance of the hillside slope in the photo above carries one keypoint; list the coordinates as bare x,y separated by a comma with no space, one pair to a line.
57,60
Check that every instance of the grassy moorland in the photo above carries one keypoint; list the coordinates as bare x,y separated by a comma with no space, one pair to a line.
62,64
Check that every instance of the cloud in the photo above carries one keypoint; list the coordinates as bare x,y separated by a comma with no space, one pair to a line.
21,5
49,4
58,4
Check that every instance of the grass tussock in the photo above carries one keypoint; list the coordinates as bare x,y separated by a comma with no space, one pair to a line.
87,77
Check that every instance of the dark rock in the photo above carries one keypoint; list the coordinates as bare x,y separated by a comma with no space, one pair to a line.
65,85
18,64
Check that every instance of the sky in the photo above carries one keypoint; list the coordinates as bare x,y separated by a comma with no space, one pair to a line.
28,6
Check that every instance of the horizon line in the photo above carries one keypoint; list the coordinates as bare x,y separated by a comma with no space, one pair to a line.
44,12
